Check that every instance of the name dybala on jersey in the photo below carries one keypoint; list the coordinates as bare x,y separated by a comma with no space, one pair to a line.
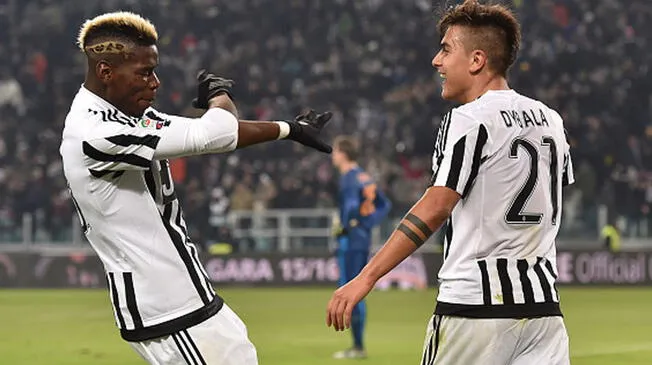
508,158
125,198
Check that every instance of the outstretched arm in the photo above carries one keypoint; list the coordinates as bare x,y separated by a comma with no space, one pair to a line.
215,92
218,130
249,132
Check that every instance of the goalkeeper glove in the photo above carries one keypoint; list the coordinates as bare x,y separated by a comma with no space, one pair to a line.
210,86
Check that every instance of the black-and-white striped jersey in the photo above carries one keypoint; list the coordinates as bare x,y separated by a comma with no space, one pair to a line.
507,156
125,197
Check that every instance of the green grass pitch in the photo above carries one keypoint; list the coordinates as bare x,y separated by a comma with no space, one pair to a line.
73,327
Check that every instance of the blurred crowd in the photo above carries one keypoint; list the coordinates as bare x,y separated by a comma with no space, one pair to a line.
367,61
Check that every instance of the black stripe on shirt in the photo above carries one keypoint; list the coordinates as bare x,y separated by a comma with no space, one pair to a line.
104,113
128,158
440,144
447,125
486,288
101,174
545,285
127,140
151,115
564,175
532,310
528,292
505,282
115,116
456,164
448,237
440,158
195,256
477,159
132,306
179,244
116,300
548,266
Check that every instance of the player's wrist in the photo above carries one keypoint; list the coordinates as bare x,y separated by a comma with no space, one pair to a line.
284,129
368,277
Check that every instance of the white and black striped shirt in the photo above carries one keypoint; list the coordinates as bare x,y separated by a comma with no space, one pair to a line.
124,193
508,158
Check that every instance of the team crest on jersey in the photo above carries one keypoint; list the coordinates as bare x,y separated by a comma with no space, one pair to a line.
153,124
146,123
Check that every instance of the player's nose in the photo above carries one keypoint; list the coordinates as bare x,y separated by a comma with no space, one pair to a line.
155,82
436,60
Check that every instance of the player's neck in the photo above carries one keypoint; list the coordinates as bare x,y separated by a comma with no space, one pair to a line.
98,89
481,87
95,87
347,166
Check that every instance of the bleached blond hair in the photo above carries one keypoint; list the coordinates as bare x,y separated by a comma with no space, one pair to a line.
115,33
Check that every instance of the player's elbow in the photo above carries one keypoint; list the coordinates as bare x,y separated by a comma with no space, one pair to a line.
436,214
217,131
438,203
441,213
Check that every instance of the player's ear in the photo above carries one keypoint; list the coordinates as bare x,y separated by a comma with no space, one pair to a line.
103,71
478,61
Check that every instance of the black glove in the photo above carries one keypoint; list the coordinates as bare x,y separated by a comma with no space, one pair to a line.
209,87
306,127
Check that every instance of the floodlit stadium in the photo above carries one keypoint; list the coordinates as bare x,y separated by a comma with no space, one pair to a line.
261,228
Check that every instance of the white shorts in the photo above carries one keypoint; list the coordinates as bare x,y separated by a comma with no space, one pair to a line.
220,340
500,341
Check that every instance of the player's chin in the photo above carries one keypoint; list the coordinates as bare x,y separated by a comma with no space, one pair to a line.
145,103
446,94
142,105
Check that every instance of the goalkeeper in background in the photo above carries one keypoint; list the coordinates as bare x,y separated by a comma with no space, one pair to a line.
362,206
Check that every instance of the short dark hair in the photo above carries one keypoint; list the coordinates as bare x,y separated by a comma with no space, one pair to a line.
494,30
348,145
115,32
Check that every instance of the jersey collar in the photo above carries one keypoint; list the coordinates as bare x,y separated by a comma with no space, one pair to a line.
102,103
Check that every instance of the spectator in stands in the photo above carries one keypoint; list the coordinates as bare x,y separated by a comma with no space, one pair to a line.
362,60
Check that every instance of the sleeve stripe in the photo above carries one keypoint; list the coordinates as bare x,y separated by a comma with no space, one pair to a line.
130,159
419,224
440,144
456,164
434,175
99,174
127,140
447,121
477,159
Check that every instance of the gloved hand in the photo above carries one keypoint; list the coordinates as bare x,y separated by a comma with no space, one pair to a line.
306,128
208,87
